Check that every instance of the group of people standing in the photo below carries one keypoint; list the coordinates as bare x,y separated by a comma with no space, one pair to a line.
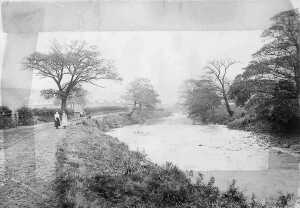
60,121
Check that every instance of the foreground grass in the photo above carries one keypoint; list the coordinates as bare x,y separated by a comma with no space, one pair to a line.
96,170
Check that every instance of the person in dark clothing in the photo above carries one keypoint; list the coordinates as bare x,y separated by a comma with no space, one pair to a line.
56,120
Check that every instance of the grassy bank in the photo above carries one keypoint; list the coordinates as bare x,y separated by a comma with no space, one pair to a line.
104,110
97,170
240,120
117,120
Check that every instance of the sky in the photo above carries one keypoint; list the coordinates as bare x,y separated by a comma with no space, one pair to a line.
166,58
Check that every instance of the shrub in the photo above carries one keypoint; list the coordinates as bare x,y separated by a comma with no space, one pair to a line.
139,116
25,116
106,123
219,115
241,123
44,114
159,187
47,114
277,107
6,120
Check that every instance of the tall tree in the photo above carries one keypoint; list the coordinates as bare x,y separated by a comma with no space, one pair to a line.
69,66
279,58
77,96
240,91
269,87
217,71
141,94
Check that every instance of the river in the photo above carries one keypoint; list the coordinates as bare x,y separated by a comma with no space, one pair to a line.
215,150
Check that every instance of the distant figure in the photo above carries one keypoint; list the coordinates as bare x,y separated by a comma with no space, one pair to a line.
56,120
64,120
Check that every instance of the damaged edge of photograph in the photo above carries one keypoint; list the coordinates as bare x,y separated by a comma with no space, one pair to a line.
150,103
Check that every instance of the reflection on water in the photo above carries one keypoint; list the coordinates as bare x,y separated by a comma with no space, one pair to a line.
216,151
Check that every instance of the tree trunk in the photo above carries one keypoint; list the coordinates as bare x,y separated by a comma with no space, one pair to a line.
298,92
133,109
63,106
230,112
297,78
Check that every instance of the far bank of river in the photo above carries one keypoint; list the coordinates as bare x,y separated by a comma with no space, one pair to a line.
215,150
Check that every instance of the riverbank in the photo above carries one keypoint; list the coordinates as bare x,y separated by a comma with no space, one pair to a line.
282,138
117,120
97,170
49,167
243,120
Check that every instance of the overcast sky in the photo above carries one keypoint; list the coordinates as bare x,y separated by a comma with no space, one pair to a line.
167,58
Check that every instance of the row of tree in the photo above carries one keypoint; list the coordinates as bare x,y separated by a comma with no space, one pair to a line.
268,88
70,66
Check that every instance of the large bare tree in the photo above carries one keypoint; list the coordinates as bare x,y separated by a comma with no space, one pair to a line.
69,66
217,70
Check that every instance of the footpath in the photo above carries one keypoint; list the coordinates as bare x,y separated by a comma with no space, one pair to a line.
28,161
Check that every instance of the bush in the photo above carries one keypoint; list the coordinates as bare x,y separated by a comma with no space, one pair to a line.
47,114
139,116
217,115
44,114
276,108
6,120
157,187
25,116
241,123
110,122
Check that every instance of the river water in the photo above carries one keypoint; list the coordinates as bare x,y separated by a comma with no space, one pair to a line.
215,150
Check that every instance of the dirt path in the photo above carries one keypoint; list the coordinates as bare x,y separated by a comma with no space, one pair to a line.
27,165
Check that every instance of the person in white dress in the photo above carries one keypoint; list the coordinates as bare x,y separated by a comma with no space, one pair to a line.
64,120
